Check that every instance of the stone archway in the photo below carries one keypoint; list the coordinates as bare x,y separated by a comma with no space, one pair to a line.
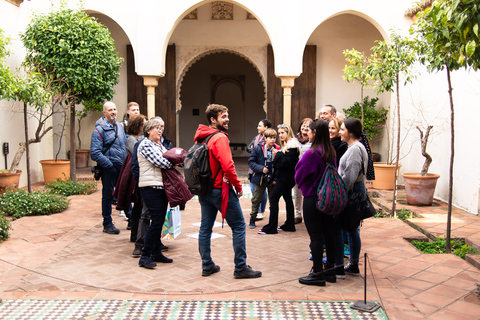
219,75
186,56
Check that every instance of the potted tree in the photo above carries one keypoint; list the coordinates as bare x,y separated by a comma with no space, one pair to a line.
420,187
448,40
391,64
66,51
39,100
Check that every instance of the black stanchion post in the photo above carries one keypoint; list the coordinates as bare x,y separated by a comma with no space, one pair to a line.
367,306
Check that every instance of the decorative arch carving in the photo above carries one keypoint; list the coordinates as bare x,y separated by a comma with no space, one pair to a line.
189,55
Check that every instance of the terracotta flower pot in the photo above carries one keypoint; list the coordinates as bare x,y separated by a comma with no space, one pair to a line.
82,157
55,169
384,175
9,181
420,189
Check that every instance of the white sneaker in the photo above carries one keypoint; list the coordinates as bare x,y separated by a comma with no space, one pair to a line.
260,215
122,213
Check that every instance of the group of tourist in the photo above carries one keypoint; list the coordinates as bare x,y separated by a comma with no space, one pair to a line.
130,155
299,163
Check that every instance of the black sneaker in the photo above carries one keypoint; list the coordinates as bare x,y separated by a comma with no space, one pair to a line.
252,224
208,272
352,269
137,252
313,279
340,272
146,262
246,273
163,247
110,229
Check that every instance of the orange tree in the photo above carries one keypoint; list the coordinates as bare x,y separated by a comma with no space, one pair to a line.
67,44
448,35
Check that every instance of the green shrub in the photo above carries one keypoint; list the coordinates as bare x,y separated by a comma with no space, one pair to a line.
4,227
20,203
458,247
404,214
373,121
69,188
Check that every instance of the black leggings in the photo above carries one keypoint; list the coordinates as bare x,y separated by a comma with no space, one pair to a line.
280,190
319,226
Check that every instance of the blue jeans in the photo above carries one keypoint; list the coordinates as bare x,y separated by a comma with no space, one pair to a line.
157,204
354,241
263,204
109,179
210,205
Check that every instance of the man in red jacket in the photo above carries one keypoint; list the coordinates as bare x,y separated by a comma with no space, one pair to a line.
223,197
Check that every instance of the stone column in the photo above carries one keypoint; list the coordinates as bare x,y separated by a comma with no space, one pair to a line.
287,85
150,82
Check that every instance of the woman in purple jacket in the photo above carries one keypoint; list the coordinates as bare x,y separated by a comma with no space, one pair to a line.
308,173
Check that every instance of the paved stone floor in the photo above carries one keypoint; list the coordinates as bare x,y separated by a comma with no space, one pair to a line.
66,256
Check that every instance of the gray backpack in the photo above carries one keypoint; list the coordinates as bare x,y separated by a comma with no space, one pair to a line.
198,175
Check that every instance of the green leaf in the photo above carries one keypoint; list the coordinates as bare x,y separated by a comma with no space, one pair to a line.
470,48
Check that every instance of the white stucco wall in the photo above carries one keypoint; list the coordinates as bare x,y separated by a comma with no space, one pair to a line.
150,25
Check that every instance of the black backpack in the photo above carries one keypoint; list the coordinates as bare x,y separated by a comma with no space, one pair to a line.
198,175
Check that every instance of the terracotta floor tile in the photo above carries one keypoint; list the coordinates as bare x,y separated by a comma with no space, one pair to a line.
289,296
465,308
424,308
403,315
250,295
448,291
431,277
325,296
78,295
433,299
416,284
450,315
402,270
43,295
449,271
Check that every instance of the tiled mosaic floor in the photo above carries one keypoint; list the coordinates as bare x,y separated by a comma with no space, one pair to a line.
169,309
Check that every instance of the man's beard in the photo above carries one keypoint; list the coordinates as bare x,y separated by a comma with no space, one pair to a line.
221,127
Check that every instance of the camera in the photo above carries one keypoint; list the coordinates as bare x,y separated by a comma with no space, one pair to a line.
97,172
268,178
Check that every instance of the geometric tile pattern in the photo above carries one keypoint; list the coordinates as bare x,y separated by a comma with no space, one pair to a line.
33,309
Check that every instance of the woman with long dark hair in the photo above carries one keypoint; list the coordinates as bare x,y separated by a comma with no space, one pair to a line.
352,169
304,145
309,172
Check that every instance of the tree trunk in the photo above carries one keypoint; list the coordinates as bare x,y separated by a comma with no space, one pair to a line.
452,153
361,101
78,134
394,202
27,147
73,165
424,141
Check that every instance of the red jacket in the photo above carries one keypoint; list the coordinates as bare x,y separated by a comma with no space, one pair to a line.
220,156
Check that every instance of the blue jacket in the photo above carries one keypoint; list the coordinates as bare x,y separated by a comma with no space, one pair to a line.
256,162
102,137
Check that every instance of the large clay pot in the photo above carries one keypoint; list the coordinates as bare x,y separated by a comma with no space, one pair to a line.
384,175
9,181
81,157
420,189
55,169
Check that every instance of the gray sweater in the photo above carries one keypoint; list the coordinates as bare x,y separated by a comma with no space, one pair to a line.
350,168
